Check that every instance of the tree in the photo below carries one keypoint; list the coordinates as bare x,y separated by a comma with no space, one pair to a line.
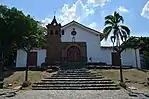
113,24
33,38
16,31
146,60
12,27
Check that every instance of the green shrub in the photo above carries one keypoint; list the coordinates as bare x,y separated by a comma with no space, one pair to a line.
146,59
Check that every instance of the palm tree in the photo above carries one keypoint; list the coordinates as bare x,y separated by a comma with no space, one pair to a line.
113,24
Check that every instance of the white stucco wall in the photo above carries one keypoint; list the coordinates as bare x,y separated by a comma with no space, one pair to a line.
22,57
127,56
105,56
92,40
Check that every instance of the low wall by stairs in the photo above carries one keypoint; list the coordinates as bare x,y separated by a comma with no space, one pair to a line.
72,65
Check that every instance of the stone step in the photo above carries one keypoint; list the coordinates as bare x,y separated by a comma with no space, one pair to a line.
73,69
77,73
74,85
79,69
74,72
76,88
75,82
75,76
89,75
80,74
75,79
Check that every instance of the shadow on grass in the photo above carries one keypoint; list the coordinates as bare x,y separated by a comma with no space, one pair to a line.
10,71
143,70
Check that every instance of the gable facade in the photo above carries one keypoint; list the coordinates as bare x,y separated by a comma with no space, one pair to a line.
83,35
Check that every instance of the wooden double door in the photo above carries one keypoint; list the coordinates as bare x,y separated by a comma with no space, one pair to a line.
115,59
73,54
32,59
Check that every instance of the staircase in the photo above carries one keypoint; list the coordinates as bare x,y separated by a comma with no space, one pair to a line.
75,79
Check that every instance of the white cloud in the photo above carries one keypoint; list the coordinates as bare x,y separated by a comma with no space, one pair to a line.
89,11
145,10
91,1
106,43
92,25
80,2
123,9
46,21
78,12
68,13
103,14
98,2
101,30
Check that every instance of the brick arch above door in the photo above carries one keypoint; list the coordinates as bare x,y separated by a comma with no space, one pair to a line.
74,45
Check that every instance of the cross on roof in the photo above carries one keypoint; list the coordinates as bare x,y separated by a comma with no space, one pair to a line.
54,13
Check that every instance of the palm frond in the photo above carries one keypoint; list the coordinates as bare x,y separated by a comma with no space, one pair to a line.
121,35
114,32
107,31
121,19
125,28
108,22
110,17
113,38
124,34
116,17
115,13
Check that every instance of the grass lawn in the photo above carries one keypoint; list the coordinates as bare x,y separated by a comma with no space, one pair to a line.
17,78
132,77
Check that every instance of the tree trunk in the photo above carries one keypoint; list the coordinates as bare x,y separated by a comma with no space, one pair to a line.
136,59
2,61
121,72
120,63
26,72
1,74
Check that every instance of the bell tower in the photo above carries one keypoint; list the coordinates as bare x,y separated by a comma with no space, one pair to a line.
53,42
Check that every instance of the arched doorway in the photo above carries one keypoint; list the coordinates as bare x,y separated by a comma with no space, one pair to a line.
73,54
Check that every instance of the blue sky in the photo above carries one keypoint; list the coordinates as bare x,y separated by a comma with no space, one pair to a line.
88,12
